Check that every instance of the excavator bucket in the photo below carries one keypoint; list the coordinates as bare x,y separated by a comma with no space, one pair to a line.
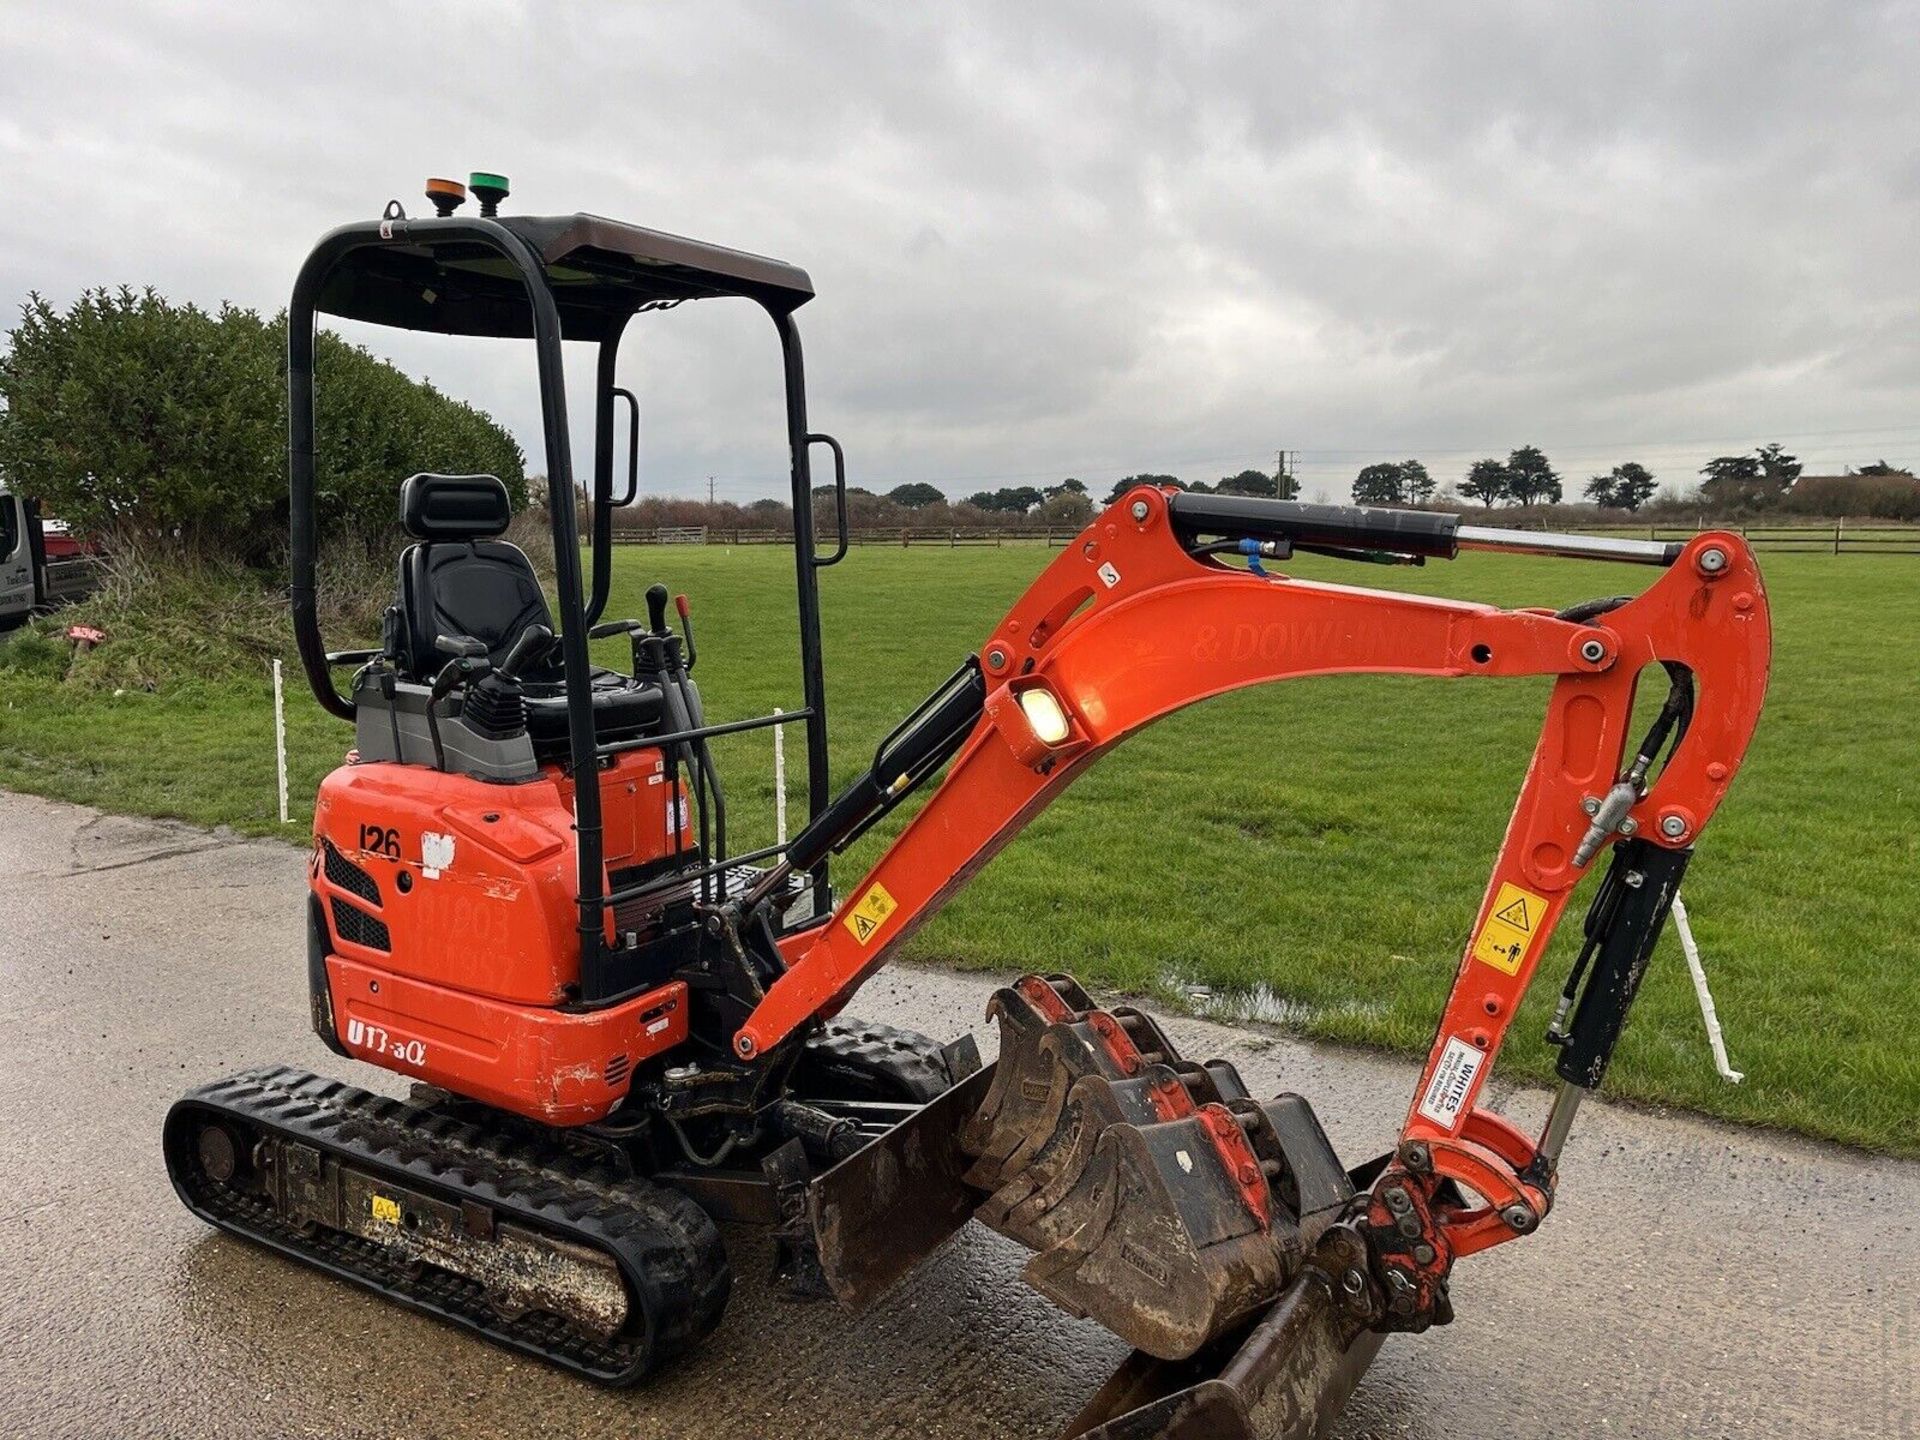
1158,1197
1021,1118
1203,1227
1053,1196
1283,1376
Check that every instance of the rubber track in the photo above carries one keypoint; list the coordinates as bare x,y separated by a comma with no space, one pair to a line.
675,1265
862,1051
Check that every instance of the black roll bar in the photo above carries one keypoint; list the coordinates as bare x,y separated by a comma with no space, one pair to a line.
807,583
604,392
560,504
578,611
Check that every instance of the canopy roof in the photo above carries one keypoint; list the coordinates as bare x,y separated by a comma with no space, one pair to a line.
600,271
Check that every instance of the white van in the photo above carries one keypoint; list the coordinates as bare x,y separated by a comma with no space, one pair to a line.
40,564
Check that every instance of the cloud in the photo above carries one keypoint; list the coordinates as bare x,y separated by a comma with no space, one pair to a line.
1072,238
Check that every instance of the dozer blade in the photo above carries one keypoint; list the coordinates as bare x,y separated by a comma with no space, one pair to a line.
1160,1200
1284,1376
874,1216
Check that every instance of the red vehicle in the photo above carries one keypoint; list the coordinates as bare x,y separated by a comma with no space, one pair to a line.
623,1032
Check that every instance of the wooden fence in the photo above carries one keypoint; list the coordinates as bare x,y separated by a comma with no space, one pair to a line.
946,539
1831,539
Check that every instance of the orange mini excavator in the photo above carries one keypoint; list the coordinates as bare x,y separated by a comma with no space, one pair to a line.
623,1033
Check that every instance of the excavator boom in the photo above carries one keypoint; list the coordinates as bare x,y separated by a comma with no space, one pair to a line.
1260,1274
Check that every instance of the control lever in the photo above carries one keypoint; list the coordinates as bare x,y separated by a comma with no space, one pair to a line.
657,608
616,627
469,662
686,626
533,641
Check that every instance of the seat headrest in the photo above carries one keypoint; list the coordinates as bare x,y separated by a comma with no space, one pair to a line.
454,507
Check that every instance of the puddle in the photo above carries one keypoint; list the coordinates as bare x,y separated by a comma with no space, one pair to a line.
1260,1005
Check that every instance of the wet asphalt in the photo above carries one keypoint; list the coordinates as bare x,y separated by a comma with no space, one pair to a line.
1694,1280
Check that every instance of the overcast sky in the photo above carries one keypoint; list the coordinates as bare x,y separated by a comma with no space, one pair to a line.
1069,239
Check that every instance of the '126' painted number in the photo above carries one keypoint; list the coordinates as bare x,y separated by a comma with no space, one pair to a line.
381,840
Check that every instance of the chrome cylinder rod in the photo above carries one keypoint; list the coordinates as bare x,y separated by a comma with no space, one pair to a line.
1573,547
1560,1120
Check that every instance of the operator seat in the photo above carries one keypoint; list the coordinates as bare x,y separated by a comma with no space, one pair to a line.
460,579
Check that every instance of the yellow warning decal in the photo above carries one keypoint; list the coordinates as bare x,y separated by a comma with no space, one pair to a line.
1508,934
868,916
385,1209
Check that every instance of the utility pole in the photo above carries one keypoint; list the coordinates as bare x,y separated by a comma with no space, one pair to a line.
709,490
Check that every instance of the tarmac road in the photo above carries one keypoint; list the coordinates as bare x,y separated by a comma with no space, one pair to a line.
1694,1279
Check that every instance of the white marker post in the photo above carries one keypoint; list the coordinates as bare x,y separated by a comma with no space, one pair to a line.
280,739
780,779
1715,1040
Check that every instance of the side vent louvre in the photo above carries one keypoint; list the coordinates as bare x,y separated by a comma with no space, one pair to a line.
617,1069
350,877
356,927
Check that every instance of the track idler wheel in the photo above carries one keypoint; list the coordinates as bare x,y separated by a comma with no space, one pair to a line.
1161,1201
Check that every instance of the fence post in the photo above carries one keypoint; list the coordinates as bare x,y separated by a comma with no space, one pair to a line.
280,739
1836,537
953,539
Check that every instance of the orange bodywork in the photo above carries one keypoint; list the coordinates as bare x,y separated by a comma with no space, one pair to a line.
1126,627
463,979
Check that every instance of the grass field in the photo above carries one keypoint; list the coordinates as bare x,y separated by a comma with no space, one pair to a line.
1312,852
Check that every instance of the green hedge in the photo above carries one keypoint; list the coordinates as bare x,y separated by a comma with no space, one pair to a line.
157,426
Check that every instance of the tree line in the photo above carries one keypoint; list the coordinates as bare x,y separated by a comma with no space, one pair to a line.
1071,499
1730,484
160,426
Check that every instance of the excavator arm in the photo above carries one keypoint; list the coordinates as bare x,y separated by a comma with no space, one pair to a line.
1129,625
1141,616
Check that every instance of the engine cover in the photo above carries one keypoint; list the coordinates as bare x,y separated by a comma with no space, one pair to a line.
448,915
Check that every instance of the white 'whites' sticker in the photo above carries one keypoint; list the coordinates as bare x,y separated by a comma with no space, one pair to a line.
1452,1080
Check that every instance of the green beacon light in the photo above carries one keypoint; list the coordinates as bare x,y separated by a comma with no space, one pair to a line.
489,190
